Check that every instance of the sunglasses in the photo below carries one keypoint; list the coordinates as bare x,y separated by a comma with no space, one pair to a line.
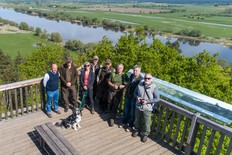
147,78
95,59
107,63
86,65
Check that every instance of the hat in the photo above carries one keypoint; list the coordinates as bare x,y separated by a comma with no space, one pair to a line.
95,57
108,61
87,63
68,59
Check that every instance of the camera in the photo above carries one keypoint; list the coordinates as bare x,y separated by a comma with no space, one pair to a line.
141,101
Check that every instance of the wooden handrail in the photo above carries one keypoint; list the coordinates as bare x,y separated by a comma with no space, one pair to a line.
20,84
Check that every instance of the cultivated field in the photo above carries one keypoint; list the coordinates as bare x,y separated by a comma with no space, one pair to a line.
128,10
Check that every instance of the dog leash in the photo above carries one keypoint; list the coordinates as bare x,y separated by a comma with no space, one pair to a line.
83,100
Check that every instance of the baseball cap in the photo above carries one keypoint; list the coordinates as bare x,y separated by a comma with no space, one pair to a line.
87,63
68,59
108,61
95,57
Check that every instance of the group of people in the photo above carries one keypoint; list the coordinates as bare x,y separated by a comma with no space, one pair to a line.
107,86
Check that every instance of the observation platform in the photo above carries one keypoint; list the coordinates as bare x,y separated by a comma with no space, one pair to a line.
175,129
18,136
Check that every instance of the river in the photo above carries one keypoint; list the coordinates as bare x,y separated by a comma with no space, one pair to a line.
89,34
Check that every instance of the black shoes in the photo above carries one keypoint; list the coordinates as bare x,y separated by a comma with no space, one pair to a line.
92,111
135,134
144,139
65,109
49,115
58,112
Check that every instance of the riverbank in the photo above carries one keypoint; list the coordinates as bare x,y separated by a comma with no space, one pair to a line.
7,29
221,41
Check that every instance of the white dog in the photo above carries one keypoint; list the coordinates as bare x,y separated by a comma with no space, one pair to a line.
71,121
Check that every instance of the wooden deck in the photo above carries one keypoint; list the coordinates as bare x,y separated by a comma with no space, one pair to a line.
18,136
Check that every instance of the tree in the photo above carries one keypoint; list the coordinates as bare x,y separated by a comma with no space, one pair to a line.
55,37
38,31
7,69
40,61
104,49
23,26
19,59
74,45
44,35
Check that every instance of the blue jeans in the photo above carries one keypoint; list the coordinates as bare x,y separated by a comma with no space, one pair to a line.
129,111
52,95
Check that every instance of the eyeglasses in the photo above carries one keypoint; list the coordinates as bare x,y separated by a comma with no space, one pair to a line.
147,78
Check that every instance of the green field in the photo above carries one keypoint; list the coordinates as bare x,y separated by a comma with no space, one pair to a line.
14,43
204,17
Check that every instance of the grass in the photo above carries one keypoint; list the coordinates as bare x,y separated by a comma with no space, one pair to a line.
11,44
175,21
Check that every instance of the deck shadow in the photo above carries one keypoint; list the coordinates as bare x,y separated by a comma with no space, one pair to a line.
35,138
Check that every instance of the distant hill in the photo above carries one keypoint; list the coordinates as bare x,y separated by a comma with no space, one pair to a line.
124,1
158,1
187,1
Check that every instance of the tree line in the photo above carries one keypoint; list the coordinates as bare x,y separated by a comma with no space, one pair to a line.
202,73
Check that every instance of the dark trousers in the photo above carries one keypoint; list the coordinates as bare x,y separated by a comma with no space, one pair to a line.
66,96
129,111
88,99
114,99
94,89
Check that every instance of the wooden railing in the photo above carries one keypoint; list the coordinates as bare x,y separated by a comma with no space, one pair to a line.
188,132
21,98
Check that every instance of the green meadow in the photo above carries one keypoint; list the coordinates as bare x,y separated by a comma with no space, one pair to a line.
23,43
170,22
209,19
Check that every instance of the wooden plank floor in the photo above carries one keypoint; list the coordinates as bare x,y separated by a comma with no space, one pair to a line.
18,136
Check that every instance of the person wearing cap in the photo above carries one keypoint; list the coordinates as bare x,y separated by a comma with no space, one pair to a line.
146,95
95,67
86,83
116,82
68,76
102,85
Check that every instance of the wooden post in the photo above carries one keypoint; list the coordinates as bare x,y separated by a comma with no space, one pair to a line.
192,134
42,95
